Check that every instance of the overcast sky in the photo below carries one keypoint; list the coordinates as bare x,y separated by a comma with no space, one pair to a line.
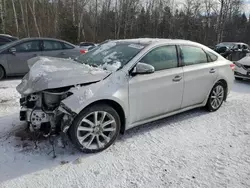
247,6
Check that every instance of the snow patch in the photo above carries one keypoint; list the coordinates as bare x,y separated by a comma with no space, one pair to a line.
192,149
40,69
137,46
112,67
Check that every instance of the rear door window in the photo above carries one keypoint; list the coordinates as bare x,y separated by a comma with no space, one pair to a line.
49,45
192,55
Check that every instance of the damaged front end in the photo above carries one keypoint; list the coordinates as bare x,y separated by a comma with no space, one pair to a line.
47,84
43,112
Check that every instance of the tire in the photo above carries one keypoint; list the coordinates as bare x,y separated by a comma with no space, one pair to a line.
91,137
2,73
237,78
216,97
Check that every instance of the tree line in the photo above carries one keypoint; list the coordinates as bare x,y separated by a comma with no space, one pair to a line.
205,21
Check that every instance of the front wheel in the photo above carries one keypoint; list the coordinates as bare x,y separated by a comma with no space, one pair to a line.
95,128
216,97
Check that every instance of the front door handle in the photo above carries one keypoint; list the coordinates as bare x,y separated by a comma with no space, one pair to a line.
62,53
212,71
34,55
177,78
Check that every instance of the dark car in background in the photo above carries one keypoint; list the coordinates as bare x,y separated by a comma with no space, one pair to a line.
4,39
14,55
233,51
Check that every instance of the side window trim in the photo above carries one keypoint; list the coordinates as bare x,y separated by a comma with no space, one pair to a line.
40,46
179,54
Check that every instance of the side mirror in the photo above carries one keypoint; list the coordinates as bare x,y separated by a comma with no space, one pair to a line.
143,68
12,50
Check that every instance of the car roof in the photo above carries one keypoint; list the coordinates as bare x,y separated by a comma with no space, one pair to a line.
232,43
43,38
40,38
87,43
154,41
8,36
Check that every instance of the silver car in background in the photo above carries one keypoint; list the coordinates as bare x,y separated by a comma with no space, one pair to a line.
14,55
242,68
119,85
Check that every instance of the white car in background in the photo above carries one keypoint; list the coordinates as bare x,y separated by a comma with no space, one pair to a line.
242,68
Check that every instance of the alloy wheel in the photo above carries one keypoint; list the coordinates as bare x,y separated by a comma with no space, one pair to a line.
217,97
96,130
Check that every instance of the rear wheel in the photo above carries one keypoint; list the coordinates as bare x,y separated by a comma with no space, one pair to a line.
2,73
95,128
216,97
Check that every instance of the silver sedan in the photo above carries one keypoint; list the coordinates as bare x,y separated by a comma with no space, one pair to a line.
14,55
122,84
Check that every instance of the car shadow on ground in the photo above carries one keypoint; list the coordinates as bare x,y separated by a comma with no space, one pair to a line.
174,120
23,158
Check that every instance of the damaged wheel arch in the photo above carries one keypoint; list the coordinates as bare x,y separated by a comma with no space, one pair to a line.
115,105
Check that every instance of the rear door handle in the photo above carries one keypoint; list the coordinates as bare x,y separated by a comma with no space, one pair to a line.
34,55
63,53
212,70
177,78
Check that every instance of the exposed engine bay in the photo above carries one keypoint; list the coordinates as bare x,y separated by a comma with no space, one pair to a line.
41,110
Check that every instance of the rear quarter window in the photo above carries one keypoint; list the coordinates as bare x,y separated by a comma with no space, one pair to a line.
67,46
211,56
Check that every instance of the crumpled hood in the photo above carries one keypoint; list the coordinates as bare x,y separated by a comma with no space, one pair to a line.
245,60
49,73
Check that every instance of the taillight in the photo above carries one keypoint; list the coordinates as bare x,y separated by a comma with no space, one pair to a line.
83,51
232,66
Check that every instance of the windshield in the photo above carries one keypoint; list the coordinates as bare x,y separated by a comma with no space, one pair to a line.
7,45
229,45
115,54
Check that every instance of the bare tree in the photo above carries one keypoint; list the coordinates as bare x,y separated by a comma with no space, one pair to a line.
83,3
73,12
33,12
23,17
205,21
2,2
15,17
